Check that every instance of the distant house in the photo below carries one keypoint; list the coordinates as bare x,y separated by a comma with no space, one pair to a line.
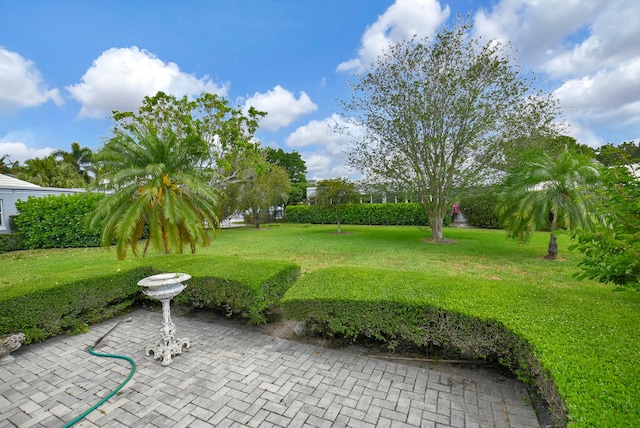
12,190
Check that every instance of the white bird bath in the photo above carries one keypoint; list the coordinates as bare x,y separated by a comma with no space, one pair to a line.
164,287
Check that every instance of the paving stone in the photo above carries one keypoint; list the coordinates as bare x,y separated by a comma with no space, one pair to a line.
233,376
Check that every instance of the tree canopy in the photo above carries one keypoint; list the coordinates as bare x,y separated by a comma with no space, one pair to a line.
438,114
335,192
157,187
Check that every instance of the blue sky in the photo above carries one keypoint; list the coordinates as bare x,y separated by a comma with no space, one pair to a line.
65,65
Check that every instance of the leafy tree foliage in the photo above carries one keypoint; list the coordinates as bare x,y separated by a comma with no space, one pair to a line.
436,114
626,153
335,192
518,150
612,251
6,166
295,167
80,157
49,172
220,137
155,184
548,193
268,188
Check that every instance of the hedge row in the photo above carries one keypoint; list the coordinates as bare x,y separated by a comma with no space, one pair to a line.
479,208
71,307
250,288
584,366
57,221
11,242
407,214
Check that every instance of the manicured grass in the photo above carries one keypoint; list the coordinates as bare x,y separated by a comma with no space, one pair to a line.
583,333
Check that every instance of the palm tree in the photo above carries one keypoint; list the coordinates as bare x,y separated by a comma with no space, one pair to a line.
80,157
548,193
155,185
49,172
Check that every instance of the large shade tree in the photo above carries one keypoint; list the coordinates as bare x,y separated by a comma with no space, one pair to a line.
437,113
549,193
157,187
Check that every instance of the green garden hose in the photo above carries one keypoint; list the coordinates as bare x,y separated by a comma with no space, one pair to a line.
115,391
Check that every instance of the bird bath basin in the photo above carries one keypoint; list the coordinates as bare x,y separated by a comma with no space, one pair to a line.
164,287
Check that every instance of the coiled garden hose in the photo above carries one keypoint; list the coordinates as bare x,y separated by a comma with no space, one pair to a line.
115,391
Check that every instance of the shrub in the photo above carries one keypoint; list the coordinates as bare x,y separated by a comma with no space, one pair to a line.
479,208
70,307
548,341
407,214
57,221
246,287
250,288
11,242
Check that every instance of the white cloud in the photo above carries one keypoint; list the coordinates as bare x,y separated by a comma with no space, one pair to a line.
321,133
120,78
322,148
610,97
404,18
592,46
318,166
20,152
21,84
281,106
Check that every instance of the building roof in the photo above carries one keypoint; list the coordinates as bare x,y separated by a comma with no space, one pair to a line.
7,182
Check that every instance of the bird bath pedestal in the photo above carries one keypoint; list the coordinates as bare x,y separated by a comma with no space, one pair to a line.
164,287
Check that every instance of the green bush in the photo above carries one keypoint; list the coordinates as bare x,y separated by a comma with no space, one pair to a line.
70,307
11,242
57,221
582,365
407,214
247,287
250,288
479,208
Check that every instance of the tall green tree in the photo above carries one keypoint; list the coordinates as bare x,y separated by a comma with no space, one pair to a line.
295,167
268,188
155,184
334,193
80,157
548,193
225,143
49,172
436,114
612,251
626,153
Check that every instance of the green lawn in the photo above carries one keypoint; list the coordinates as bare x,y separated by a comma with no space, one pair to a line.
584,333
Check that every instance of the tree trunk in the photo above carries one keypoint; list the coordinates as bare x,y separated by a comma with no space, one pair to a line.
338,219
552,249
436,228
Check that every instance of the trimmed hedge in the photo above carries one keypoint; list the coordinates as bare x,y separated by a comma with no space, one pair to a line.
586,367
479,208
250,288
11,242
57,221
406,214
247,287
70,308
